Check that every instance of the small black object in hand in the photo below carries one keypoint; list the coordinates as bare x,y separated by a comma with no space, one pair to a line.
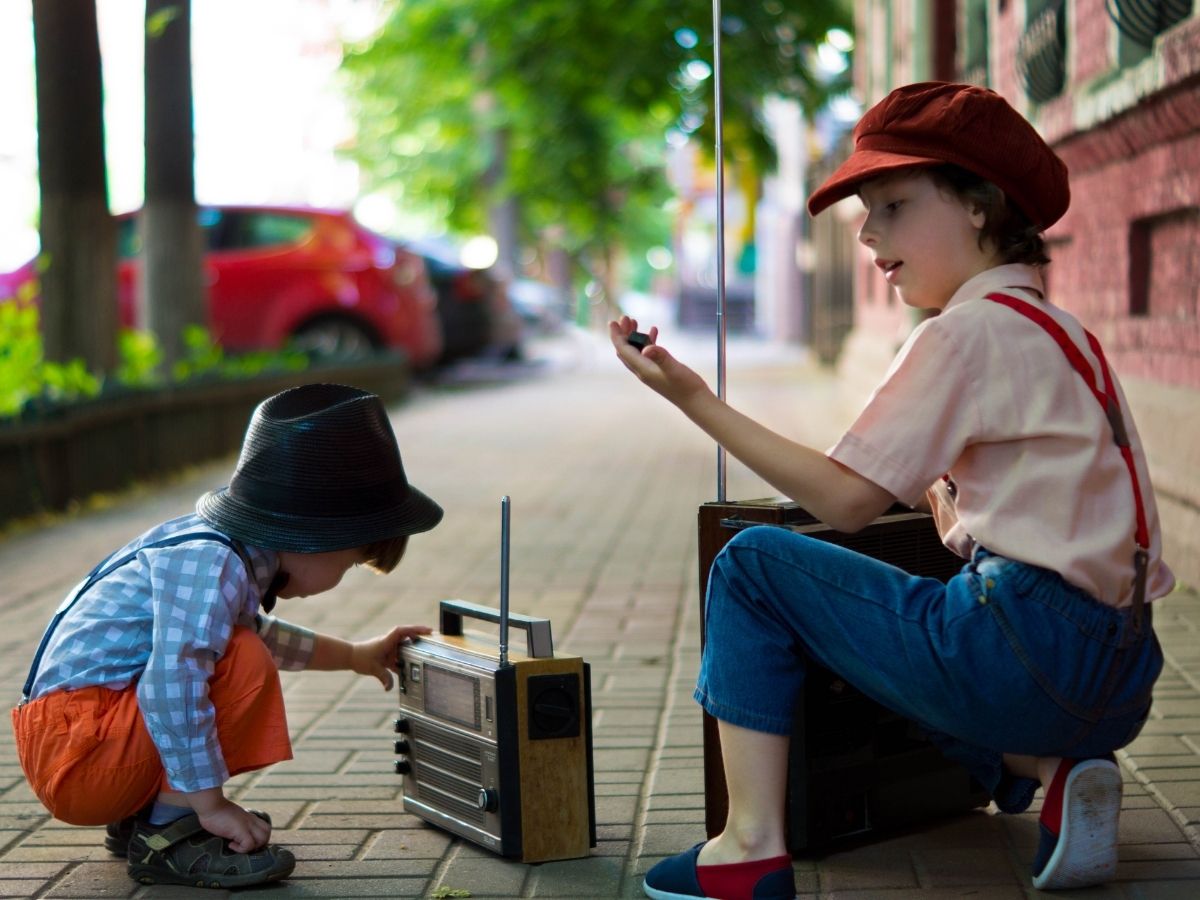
639,340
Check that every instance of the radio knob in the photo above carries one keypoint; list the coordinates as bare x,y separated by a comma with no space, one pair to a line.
400,726
487,801
402,767
401,747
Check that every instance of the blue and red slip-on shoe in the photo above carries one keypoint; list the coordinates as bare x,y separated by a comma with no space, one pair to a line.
1079,826
679,878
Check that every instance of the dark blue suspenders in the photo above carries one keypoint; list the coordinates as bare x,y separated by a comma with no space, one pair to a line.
106,567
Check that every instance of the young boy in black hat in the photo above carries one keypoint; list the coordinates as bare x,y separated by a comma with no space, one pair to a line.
158,680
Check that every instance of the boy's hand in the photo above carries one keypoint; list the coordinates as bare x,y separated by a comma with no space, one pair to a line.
654,366
244,830
377,656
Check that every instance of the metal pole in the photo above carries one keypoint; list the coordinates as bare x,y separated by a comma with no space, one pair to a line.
720,171
504,538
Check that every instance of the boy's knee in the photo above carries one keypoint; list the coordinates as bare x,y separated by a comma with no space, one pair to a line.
754,540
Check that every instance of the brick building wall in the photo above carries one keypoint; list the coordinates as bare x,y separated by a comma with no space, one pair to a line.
1126,257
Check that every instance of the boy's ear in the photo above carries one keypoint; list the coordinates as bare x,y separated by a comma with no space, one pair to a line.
977,215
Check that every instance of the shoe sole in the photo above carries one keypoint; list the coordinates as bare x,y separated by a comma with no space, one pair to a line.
154,875
1086,853
656,894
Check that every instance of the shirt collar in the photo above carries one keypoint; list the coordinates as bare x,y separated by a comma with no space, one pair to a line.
1011,275
266,568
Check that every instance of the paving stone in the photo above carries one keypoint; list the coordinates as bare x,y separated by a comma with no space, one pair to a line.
483,876
89,880
577,878
941,867
23,889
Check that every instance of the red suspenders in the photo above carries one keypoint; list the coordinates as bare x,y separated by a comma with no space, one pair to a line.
1106,396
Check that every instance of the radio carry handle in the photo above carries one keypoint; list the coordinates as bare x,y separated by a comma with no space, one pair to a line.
537,631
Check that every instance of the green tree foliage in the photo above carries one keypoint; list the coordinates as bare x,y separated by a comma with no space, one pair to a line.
580,93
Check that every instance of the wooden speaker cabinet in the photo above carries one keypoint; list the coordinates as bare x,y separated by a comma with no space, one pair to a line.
854,767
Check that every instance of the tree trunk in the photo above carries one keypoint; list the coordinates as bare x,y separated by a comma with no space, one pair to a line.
172,294
78,235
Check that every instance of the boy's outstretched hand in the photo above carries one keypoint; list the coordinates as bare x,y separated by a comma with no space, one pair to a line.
377,656
654,366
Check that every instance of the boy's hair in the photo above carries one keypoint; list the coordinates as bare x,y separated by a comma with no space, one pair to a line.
1005,227
383,556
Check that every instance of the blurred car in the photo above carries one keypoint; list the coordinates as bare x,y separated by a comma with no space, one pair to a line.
314,279
541,306
473,305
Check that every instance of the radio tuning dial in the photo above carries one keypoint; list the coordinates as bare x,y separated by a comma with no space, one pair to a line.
401,747
402,766
400,726
487,801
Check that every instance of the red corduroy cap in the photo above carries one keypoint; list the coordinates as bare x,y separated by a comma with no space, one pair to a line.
935,122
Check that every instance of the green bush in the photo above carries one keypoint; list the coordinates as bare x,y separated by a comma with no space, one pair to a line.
24,374
26,377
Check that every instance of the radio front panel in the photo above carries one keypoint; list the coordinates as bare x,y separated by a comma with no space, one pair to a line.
499,755
448,688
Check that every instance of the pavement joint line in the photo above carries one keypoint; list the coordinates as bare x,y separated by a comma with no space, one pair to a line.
1192,681
1190,831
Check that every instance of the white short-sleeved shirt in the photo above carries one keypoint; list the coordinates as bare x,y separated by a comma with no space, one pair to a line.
986,396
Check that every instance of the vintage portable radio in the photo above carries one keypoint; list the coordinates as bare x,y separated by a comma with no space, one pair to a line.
493,749
854,768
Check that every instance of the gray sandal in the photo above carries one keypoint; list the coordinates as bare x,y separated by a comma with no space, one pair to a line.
185,853
117,834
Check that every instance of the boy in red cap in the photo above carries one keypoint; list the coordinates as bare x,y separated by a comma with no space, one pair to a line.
1000,416
157,679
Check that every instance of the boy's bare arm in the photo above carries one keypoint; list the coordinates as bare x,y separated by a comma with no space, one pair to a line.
375,657
836,495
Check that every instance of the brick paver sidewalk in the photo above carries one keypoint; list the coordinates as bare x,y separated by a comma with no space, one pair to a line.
605,480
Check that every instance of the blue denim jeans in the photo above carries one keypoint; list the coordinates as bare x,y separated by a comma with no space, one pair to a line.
1005,658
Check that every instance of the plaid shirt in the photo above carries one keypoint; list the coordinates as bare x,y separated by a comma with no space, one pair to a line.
162,621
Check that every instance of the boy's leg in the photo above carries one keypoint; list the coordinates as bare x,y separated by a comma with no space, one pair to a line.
1004,656
1001,657
90,760
252,729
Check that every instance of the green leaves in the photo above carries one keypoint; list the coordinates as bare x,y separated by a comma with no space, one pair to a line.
566,106
24,373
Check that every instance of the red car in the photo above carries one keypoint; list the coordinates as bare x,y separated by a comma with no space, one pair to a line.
316,278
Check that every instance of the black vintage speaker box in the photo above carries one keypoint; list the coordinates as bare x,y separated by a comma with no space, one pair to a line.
854,767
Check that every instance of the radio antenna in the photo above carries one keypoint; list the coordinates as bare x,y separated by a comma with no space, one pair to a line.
720,167
504,524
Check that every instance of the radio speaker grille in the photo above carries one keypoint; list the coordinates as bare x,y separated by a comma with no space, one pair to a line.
447,771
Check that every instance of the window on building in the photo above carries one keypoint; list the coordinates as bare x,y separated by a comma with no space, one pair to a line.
1139,22
1042,50
975,42
1164,265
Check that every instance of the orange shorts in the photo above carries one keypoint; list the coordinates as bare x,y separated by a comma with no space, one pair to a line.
89,758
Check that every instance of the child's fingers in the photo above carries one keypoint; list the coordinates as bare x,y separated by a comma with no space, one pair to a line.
385,677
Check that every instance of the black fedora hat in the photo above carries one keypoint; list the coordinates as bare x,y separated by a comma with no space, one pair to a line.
319,471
